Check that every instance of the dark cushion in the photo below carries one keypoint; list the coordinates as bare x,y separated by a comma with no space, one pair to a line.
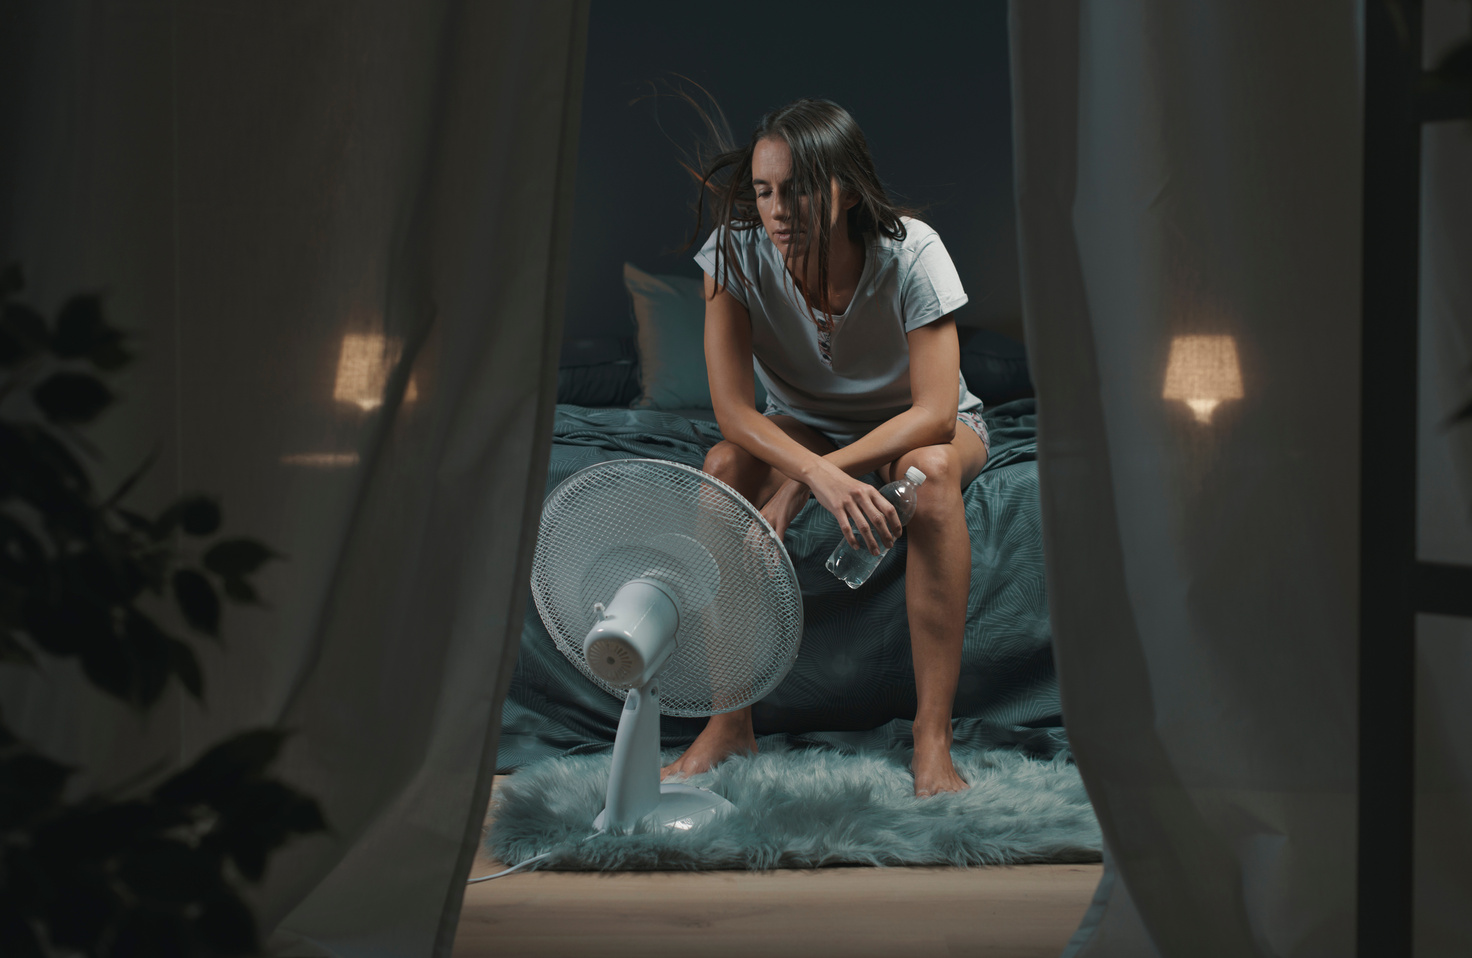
995,367
598,371
606,384
594,351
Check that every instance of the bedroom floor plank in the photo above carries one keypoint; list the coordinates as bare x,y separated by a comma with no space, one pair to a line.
1025,911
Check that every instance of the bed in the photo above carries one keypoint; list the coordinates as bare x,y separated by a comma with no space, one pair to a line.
852,687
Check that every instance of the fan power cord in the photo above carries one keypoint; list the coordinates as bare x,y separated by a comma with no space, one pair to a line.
513,868
520,865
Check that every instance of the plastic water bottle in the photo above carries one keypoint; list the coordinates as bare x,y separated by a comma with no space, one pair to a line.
852,565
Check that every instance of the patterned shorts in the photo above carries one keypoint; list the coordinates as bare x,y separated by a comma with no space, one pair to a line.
972,418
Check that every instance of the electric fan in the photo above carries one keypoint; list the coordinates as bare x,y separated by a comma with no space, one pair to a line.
668,589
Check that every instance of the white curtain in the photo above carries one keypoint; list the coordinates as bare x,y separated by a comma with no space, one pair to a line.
1189,178
338,229
1444,518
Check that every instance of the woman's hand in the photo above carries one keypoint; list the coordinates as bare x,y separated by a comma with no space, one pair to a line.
856,506
783,507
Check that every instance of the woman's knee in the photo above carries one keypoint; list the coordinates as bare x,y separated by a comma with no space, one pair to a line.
726,461
941,465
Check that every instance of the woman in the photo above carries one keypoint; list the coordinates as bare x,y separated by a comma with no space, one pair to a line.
845,304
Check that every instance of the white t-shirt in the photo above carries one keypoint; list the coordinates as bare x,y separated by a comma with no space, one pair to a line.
859,377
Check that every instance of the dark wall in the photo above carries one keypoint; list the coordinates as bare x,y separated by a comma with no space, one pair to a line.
928,83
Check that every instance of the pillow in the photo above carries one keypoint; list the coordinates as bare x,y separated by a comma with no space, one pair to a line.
995,367
597,350
670,314
603,384
598,372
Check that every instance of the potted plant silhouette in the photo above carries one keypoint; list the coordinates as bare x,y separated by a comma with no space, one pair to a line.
151,867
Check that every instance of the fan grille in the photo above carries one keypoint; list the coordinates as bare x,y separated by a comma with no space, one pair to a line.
740,607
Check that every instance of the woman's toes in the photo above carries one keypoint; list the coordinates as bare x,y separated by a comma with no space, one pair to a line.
933,769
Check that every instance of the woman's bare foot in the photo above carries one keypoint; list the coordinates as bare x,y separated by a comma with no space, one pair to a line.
725,735
932,766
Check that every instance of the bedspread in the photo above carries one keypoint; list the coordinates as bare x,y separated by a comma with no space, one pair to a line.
852,686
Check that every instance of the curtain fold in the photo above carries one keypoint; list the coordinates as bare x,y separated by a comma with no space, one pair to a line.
339,231
1188,179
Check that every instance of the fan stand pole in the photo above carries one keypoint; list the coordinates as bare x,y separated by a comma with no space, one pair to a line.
635,793
633,781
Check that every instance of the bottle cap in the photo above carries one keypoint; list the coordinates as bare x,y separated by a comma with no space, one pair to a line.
915,475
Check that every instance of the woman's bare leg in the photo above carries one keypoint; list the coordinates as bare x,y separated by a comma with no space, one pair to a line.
731,733
937,580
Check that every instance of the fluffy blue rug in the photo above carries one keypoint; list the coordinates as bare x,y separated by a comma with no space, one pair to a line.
803,808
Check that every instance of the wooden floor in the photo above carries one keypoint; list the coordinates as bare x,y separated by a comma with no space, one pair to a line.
1005,912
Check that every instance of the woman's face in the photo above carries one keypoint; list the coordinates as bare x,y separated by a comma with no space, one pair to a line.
783,214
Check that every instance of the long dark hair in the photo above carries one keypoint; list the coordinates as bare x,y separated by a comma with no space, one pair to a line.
825,144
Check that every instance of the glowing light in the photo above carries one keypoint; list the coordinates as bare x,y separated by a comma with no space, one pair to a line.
363,368
1202,408
1203,371
321,460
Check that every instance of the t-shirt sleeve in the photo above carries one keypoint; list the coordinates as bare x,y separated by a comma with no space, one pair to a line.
932,287
707,260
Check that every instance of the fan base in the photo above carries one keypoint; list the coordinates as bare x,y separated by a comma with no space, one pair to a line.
680,806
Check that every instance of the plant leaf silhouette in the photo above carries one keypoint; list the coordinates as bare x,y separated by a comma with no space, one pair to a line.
237,557
198,601
72,398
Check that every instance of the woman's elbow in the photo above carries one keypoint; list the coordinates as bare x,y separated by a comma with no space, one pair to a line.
942,428
732,418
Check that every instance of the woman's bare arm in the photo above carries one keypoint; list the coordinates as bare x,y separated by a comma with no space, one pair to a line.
935,359
733,386
935,371
733,397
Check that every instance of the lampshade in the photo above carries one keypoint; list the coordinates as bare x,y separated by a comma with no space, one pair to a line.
1203,371
363,369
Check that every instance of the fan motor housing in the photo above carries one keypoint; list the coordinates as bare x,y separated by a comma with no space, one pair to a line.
635,634
723,567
